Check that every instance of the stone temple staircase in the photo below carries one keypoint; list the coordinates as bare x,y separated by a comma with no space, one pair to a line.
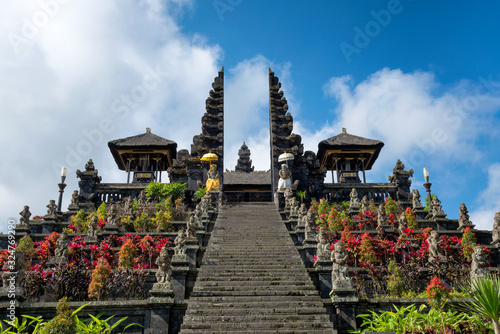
252,279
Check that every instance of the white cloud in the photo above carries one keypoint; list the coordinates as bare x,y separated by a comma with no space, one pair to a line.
71,75
414,116
489,200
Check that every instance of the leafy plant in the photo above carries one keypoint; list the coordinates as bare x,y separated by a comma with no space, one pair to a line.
127,254
395,283
63,323
158,192
484,299
200,193
301,194
102,214
80,221
100,278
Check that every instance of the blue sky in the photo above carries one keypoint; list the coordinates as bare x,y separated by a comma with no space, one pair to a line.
422,76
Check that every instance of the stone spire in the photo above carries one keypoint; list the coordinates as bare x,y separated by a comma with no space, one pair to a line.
281,126
244,162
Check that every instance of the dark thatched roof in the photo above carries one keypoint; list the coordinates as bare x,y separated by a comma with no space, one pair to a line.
144,142
348,142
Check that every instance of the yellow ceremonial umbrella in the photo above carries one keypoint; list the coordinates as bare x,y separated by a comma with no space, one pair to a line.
209,157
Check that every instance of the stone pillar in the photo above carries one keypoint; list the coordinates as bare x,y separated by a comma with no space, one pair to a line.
180,269
159,315
324,272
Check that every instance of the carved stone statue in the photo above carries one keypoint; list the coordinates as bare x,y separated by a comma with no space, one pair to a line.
142,199
93,231
74,197
129,206
213,182
180,244
365,204
416,201
191,228
496,230
382,216
294,207
285,181
463,218
322,248
288,198
25,215
479,262
340,278
301,215
310,226
113,216
437,209
403,224
354,201
51,209
163,263
62,243
434,248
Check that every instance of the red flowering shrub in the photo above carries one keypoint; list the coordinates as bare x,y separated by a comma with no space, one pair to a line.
100,278
437,293
127,254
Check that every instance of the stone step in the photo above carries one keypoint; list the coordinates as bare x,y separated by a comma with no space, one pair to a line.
251,308
252,280
264,317
222,325
253,288
282,331
207,280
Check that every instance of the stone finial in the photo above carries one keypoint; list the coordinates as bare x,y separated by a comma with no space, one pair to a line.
148,130
25,215
89,166
496,230
244,163
434,248
479,262
354,201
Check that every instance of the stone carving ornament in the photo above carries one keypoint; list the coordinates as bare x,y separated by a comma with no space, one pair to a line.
62,243
479,262
25,215
285,181
416,201
322,248
496,230
434,248
382,216
354,201
365,204
163,263
340,278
